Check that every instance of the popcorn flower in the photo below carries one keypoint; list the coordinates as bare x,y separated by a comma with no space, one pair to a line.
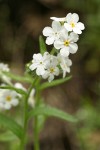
63,34
4,68
67,44
8,98
39,63
53,33
64,63
72,23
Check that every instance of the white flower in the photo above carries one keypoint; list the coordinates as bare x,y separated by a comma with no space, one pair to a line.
58,19
5,68
53,33
51,70
73,24
39,63
19,86
8,98
67,44
64,63
31,100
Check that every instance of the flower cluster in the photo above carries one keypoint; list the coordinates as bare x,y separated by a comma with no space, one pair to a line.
63,34
48,66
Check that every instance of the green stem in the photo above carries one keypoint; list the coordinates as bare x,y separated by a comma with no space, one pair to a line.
23,140
36,132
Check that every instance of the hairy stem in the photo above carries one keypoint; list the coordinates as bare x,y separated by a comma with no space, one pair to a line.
23,140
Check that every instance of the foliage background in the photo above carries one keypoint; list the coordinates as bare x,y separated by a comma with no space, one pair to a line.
21,23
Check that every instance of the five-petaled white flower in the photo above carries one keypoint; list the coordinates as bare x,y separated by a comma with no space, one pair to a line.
8,98
64,63
72,23
53,33
67,44
51,69
39,63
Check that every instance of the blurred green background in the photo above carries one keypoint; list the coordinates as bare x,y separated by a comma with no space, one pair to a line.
21,23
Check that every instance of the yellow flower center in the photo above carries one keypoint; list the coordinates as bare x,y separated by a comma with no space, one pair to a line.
51,70
72,24
41,62
8,98
66,43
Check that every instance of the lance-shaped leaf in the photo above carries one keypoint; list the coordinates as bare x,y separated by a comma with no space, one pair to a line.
20,91
10,124
26,79
42,45
54,83
7,136
51,112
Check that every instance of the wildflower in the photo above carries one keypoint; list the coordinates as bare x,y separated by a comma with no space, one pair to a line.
19,86
64,63
51,70
31,100
72,23
4,68
53,33
39,63
67,44
8,98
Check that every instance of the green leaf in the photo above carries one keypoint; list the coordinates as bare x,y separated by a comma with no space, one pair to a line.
7,137
41,121
20,91
53,51
19,78
54,83
50,111
42,45
10,124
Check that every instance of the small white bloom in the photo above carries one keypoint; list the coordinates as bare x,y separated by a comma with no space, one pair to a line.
51,70
58,19
53,33
5,68
8,99
65,64
31,99
67,44
72,23
19,86
39,63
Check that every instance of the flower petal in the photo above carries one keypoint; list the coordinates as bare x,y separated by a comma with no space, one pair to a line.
50,40
68,26
73,48
58,44
64,51
80,25
47,31
73,37
77,30
75,17
56,26
69,17
58,19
